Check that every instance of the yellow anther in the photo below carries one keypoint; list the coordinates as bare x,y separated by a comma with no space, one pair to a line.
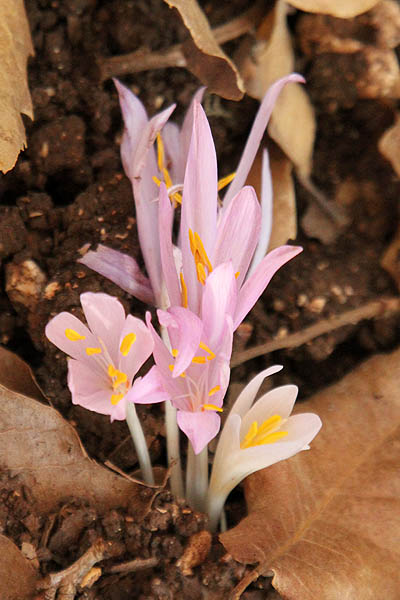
73,335
265,434
184,292
199,360
156,180
91,351
211,407
270,425
201,273
214,390
118,377
192,242
210,353
115,398
237,274
174,352
126,343
200,256
177,197
160,152
171,368
271,438
225,181
203,254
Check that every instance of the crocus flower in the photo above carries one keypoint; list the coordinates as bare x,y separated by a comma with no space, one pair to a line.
105,356
208,236
195,373
256,436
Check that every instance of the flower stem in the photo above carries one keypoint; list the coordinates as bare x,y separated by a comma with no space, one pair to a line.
139,441
172,433
197,478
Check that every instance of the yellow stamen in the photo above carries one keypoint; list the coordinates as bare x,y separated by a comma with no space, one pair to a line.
199,360
171,368
200,256
115,398
184,292
156,180
201,273
211,407
237,274
73,335
160,152
117,376
265,434
91,351
225,180
126,343
176,197
211,354
214,390
200,249
174,352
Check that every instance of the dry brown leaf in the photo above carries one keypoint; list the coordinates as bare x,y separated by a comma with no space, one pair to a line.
390,260
284,218
204,56
292,123
337,8
17,576
326,522
389,145
15,47
39,446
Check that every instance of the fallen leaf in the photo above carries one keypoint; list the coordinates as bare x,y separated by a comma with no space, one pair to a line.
339,8
389,145
326,522
292,125
39,446
17,576
15,47
204,57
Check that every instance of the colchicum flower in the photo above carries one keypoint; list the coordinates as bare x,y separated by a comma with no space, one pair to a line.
105,356
256,436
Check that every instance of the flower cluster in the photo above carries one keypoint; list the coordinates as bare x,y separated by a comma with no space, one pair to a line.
203,280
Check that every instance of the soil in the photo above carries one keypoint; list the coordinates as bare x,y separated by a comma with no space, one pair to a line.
68,190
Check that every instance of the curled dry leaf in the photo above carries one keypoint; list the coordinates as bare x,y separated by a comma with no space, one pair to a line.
17,576
39,446
338,8
326,521
204,57
15,47
292,124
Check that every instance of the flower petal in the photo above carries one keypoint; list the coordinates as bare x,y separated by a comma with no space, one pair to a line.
132,356
279,401
256,134
238,232
258,281
200,427
247,396
165,222
88,389
162,355
266,213
185,331
174,159
147,389
219,300
121,269
187,125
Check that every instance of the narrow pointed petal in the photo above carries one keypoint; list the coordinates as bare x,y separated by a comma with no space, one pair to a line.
147,389
121,269
147,139
256,284
162,356
266,213
238,232
187,125
166,216
247,396
219,300
279,401
173,152
132,357
256,134
57,329
185,335
105,316
199,427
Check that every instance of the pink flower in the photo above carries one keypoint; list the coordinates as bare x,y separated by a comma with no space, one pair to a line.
208,237
106,355
196,372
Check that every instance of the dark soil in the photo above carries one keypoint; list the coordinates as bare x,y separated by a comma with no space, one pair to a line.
68,190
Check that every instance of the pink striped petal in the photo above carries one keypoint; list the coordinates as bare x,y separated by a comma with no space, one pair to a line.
266,213
219,300
174,159
89,390
166,217
162,356
148,389
185,331
187,125
256,284
140,349
200,427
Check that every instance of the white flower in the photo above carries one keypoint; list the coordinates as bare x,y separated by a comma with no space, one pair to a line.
256,436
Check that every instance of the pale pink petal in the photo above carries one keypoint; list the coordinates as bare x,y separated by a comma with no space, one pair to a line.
121,269
256,284
140,349
185,335
219,300
247,396
147,139
148,389
187,126
89,389
279,401
105,316
162,356
199,203
174,160
238,232
200,427
266,213
256,134
166,217
56,333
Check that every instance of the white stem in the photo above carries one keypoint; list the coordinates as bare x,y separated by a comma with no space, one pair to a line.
214,509
139,441
172,433
197,478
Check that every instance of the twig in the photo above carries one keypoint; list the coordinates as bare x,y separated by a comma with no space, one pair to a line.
244,583
134,565
116,469
375,309
142,60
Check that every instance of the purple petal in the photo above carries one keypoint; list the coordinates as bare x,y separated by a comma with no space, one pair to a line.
238,232
266,212
200,427
256,134
148,389
219,300
256,284
121,269
166,216
185,335
140,349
